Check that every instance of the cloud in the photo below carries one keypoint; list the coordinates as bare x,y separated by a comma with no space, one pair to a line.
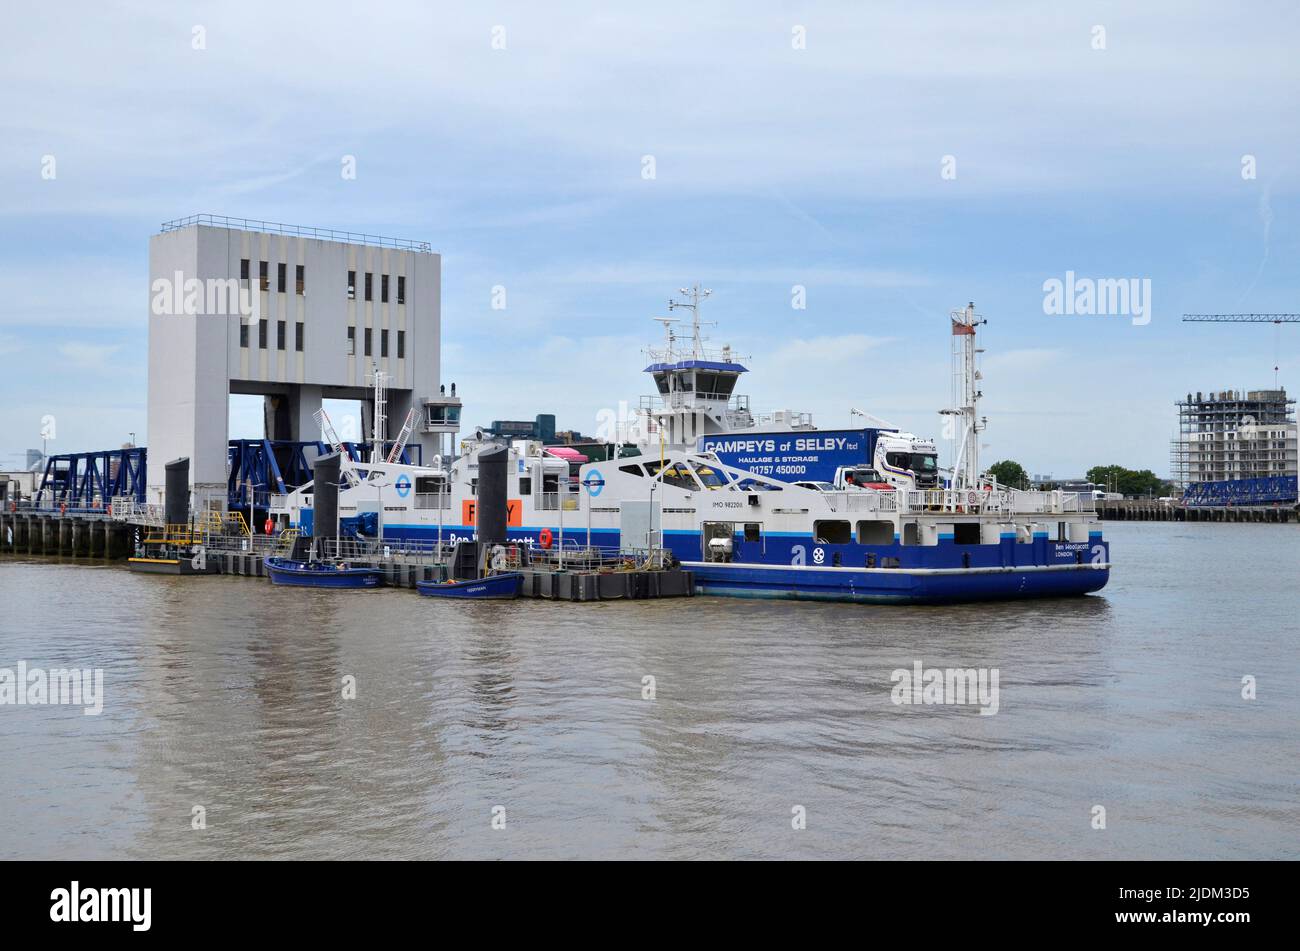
87,356
811,355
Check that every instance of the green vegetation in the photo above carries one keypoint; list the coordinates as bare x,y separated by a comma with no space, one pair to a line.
1010,473
1140,484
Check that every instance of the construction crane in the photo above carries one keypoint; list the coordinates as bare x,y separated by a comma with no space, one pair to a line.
1277,320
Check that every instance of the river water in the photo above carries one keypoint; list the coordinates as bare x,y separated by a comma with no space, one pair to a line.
228,694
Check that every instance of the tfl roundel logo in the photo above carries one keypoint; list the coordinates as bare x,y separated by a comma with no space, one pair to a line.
594,482
403,485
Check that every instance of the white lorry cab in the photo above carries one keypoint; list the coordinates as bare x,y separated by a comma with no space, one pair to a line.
906,461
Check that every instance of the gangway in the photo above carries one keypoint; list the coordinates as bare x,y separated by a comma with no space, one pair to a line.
327,430
408,427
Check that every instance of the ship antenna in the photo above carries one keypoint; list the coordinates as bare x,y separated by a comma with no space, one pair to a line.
696,295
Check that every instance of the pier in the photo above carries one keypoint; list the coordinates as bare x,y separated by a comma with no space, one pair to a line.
1153,510
576,574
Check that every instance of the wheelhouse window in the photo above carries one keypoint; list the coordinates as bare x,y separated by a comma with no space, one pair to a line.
674,474
710,477
714,384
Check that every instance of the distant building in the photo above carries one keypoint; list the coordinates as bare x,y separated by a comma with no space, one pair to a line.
18,485
1236,447
1232,435
541,428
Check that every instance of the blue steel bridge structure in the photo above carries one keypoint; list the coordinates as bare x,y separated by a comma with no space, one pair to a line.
87,482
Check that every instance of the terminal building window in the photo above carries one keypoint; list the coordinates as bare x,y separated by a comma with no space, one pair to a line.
352,285
352,341
383,289
401,344
281,276
300,279
369,286
401,289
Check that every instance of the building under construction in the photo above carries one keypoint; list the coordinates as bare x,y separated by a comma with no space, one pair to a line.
1236,447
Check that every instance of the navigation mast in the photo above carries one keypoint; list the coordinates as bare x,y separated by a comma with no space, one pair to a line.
966,396
696,295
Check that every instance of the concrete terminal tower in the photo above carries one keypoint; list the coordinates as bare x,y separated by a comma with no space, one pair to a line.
296,315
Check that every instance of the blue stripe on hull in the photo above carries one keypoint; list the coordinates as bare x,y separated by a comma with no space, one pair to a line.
894,586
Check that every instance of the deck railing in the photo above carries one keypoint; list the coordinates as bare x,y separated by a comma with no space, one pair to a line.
960,502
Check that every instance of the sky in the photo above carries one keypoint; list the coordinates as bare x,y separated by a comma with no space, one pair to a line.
895,160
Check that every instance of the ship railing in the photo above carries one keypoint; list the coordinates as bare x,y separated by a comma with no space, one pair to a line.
990,501
574,554
548,501
403,551
248,543
125,508
862,500
433,500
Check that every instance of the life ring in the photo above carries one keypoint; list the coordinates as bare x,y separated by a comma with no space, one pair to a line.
544,538
63,508
268,526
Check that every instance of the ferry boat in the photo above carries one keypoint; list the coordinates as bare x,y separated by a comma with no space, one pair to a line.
890,528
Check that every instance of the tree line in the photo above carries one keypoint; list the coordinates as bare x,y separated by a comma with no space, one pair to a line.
1138,483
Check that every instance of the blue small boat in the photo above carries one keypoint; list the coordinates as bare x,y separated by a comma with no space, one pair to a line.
320,574
493,587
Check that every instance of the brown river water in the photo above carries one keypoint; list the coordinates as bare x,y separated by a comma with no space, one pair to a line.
227,694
